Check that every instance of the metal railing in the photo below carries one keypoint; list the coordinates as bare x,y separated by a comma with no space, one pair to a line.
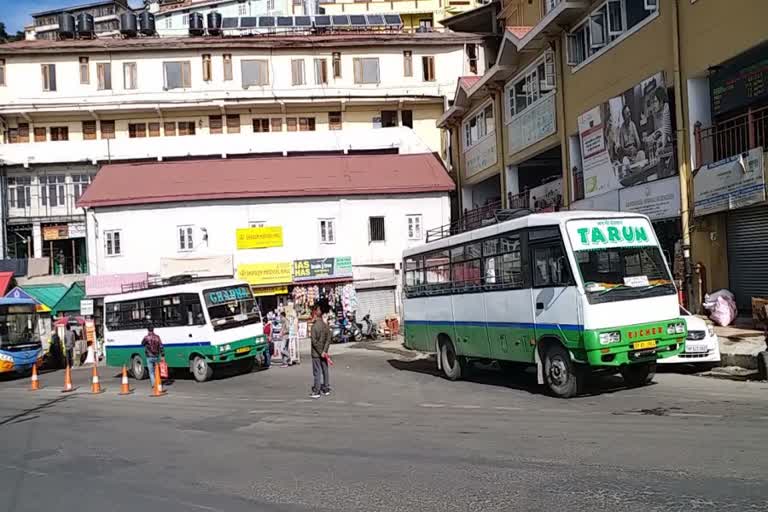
485,217
730,137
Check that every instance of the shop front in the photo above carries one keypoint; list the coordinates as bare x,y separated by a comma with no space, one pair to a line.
323,279
269,282
64,244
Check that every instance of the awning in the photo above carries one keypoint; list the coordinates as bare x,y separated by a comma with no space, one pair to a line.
70,302
45,295
5,280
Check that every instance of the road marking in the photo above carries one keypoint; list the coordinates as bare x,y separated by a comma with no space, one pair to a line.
269,400
505,408
465,406
363,404
694,415
23,470
433,406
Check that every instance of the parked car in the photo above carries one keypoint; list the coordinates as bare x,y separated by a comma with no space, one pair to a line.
701,347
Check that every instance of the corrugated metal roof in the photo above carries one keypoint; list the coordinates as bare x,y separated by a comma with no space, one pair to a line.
46,294
70,301
70,8
292,176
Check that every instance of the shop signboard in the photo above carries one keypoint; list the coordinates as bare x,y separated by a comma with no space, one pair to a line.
658,199
741,81
547,197
628,140
206,266
265,273
590,234
86,307
260,237
90,331
76,230
481,156
535,123
55,232
265,291
730,184
322,268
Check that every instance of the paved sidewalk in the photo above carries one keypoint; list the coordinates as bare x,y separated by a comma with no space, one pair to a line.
740,343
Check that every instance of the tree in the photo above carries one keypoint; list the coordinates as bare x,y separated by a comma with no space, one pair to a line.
5,37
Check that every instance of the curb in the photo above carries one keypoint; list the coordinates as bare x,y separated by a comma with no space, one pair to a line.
747,361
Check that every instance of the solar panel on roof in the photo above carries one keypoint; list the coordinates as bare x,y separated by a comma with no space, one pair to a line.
229,23
322,21
393,19
302,21
248,21
375,19
266,21
357,20
340,20
284,21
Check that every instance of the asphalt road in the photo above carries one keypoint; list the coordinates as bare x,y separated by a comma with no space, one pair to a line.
393,436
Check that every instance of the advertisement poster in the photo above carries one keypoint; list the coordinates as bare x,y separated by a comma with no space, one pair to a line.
658,199
322,268
205,266
628,140
265,273
480,156
547,197
729,184
533,124
270,290
260,238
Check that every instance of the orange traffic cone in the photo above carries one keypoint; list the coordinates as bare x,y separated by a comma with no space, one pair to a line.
158,389
95,385
67,380
35,379
125,389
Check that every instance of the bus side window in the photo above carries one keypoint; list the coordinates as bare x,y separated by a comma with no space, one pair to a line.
550,267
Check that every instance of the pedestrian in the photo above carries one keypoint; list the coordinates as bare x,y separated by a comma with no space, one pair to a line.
69,345
268,334
153,350
321,341
57,355
285,350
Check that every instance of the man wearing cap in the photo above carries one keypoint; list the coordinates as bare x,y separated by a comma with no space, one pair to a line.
153,349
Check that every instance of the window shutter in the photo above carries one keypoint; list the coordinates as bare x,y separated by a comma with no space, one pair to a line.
573,48
597,30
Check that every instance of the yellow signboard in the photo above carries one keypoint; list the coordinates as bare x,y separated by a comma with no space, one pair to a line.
265,273
260,238
270,290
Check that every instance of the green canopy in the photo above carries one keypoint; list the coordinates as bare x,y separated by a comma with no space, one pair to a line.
70,301
46,294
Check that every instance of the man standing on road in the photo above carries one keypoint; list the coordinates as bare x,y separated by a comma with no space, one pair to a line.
153,349
321,341
69,345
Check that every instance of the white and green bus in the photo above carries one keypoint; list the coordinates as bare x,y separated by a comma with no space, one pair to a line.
202,324
569,292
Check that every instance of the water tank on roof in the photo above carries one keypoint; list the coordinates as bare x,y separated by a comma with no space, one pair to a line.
214,23
66,25
196,27
85,26
147,23
128,24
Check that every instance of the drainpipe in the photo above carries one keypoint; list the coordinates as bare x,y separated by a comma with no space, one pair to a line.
683,157
4,199
557,47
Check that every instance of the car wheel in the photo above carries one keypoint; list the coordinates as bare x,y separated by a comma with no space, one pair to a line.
201,370
453,364
138,369
562,376
637,375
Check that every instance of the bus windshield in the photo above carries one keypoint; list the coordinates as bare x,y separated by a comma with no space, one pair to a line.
619,259
17,327
231,306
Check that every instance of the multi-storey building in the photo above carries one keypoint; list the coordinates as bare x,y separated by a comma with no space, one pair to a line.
172,18
106,19
67,107
616,105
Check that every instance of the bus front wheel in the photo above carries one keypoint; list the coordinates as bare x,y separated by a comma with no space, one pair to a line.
638,375
450,361
562,376
201,370
138,369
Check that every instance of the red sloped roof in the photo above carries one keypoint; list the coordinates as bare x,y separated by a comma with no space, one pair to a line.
519,31
468,81
291,176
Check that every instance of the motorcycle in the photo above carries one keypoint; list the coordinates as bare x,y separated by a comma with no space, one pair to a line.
369,329
353,329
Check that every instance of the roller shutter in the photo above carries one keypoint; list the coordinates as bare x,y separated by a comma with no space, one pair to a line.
748,254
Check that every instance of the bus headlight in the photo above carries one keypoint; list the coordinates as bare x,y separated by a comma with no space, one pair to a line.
6,357
607,338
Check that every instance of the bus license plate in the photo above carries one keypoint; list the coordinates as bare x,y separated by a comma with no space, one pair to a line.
642,345
243,350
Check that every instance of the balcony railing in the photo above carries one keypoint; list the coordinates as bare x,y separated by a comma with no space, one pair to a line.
730,137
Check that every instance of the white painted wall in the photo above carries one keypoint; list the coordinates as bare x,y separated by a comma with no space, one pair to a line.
149,232
232,9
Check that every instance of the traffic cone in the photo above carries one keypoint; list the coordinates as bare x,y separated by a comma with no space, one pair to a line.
35,379
158,389
95,385
67,380
125,389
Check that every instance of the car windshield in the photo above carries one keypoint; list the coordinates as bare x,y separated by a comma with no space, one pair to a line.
231,306
17,327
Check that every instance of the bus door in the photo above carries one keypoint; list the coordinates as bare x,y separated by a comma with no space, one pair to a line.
554,296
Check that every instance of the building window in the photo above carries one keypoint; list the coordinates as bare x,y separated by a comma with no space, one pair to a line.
169,21
104,75
414,227
306,124
186,127
261,125
605,25
366,70
59,133
41,134
407,116
19,192
321,71
291,124
478,126
177,75
328,231
154,129
407,63
227,67
49,77
233,123
297,72
129,76
170,129
425,24
388,118
107,129
137,130
215,126
428,68
472,58
2,72
186,242
255,72
85,71
241,9
89,130
207,68
80,182
52,190
112,243
185,20
334,120
532,85
376,229
336,64
276,124
20,134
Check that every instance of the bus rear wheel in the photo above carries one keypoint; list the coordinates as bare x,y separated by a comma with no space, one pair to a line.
201,370
563,377
637,375
453,365
138,370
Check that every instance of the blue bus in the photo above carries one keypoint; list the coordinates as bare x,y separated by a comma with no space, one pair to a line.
20,345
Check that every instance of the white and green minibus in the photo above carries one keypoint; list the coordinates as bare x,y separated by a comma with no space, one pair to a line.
569,292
